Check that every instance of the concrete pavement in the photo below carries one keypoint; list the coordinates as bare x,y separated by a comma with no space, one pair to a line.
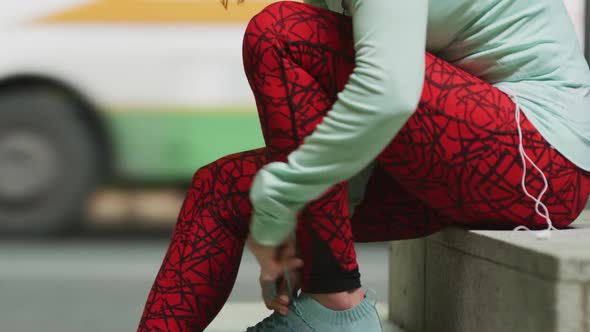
98,285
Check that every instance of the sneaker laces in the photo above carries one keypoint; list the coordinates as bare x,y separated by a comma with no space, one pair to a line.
275,320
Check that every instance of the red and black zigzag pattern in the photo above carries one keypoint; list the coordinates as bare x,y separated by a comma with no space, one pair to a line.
456,161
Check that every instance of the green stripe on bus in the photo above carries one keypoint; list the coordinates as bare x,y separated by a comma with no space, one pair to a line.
171,146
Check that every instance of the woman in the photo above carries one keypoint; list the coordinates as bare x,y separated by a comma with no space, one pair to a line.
383,120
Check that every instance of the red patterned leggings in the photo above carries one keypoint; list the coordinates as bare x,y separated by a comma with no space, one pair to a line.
456,161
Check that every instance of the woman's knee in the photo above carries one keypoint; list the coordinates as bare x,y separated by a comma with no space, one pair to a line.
273,23
247,162
223,186
265,20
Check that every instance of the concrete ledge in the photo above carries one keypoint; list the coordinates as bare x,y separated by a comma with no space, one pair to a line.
460,280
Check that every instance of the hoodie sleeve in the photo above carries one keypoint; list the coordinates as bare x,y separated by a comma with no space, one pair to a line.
381,94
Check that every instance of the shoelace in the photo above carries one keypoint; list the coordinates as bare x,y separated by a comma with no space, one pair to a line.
277,320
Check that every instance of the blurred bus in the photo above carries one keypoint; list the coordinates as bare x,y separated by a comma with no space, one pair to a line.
134,91
126,91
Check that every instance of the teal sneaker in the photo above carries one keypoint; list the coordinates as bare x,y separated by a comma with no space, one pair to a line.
276,322
307,315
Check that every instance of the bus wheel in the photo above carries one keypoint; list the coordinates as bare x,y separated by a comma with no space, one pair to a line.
48,162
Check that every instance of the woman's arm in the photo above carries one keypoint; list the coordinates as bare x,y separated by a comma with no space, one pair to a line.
382,93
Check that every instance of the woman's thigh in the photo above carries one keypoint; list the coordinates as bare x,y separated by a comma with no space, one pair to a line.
459,154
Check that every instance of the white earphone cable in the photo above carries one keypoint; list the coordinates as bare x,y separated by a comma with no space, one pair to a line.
540,207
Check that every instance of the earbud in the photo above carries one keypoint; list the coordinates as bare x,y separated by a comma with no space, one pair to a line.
543,235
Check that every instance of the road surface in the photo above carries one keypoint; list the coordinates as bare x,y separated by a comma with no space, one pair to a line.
98,285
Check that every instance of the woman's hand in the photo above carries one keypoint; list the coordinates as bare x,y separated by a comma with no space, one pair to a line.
279,300
273,261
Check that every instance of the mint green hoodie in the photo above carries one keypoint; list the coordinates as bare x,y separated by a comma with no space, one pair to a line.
525,47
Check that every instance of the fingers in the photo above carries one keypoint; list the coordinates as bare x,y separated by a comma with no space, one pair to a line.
282,301
264,254
274,261
275,293
293,263
288,249
269,289
286,259
280,304
288,256
272,300
284,298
